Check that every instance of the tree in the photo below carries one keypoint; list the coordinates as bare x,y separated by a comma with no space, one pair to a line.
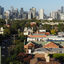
7,31
2,22
61,27
59,57
53,31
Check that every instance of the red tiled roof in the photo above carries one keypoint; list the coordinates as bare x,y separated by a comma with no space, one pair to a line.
51,45
40,32
29,44
47,33
33,23
37,36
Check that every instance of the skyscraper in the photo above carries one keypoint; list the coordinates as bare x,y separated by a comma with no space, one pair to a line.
62,9
7,14
21,10
1,12
54,15
21,13
33,12
29,15
41,14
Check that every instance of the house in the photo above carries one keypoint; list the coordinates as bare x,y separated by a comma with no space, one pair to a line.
43,59
36,37
33,23
27,31
50,45
60,33
54,38
48,50
41,32
29,47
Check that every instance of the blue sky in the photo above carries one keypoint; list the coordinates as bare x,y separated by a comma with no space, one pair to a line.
47,5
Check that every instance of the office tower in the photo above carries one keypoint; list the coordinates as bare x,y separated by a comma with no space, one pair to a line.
41,14
29,15
16,13
54,15
21,13
61,16
21,10
33,12
62,9
12,9
25,15
37,15
7,14
1,12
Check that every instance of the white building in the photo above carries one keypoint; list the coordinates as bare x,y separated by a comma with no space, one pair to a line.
60,33
61,16
36,38
33,12
1,30
50,19
27,31
29,15
42,30
7,14
54,15
41,14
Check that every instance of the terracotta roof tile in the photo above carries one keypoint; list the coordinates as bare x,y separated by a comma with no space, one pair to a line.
51,45
37,36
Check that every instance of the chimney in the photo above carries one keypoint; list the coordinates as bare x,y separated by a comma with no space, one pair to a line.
47,57
29,51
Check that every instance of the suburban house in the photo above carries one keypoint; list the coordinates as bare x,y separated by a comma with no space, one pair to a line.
50,45
33,23
29,47
60,33
36,37
27,31
43,47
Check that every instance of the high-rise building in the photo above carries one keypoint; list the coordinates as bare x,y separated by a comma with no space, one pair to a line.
29,15
21,10
33,12
41,14
25,15
62,9
21,13
1,12
54,15
61,16
7,14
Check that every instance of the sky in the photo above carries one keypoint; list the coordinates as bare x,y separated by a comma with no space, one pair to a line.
47,5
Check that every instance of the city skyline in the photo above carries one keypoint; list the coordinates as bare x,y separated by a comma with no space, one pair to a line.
47,5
